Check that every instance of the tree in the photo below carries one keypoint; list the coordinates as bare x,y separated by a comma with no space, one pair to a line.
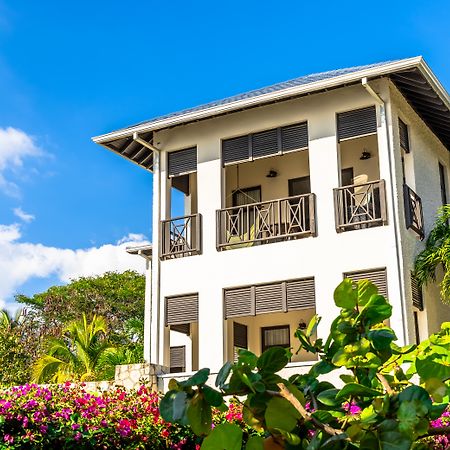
436,254
77,356
117,297
389,399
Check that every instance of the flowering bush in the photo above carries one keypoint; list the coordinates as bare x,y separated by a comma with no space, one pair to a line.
66,416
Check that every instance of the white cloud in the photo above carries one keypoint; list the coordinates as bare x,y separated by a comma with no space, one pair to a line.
21,214
15,147
23,261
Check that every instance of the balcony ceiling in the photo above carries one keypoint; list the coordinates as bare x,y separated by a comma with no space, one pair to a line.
412,77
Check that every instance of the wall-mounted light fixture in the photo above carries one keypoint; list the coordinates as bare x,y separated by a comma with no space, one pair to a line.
365,155
302,324
272,174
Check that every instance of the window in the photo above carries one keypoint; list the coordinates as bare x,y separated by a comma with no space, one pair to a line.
404,136
416,327
240,338
178,359
443,184
247,196
278,336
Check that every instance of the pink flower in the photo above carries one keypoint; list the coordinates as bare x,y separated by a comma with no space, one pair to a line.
43,429
75,426
8,438
352,408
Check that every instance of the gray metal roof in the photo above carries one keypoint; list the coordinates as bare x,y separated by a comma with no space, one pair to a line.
412,77
307,79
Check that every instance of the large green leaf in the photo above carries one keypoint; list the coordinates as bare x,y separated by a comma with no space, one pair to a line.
226,436
223,374
365,291
281,415
213,397
381,338
273,360
416,393
434,366
255,443
199,378
166,406
345,296
355,389
199,415
328,397
376,310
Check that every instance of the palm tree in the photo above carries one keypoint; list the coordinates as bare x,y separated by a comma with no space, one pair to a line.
77,357
436,254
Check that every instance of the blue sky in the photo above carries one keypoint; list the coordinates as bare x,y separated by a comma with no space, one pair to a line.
72,70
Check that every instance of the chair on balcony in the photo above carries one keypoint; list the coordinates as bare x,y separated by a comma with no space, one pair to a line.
241,240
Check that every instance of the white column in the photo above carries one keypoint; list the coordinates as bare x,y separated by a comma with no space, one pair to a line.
148,311
211,321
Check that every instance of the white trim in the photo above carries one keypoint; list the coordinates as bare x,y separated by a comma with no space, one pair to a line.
278,95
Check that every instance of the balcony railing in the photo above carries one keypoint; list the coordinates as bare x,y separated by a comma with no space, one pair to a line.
360,206
264,222
181,236
413,211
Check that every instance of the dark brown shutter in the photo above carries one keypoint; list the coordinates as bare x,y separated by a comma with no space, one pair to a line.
377,276
182,161
184,328
239,302
300,294
240,338
359,122
182,309
236,150
269,298
294,137
178,358
417,293
265,143
404,135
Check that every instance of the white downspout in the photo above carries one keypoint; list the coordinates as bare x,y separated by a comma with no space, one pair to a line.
153,356
383,116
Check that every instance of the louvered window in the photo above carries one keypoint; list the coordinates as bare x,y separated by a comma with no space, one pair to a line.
300,294
283,296
178,359
443,184
377,276
240,338
359,122
417,293
239,302
404,136
278,336
265,143
269,298
184,328
181,309
182,162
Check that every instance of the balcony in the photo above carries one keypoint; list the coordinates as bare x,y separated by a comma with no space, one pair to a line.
264,222
413,211
181,236
360,206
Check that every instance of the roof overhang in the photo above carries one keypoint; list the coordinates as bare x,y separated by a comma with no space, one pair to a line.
412,77
142,250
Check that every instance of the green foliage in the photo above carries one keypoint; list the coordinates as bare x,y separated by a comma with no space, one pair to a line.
78,356
436,254
379,407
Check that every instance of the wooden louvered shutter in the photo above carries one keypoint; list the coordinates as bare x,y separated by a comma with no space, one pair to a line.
182,162
300,294
269,298
239,302
404,135
178,358
240,338
182,309
265,143
236,150
359,122
184,328
417,294
294,137
377,276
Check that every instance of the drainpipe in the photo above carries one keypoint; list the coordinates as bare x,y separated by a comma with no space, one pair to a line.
383,116
155,267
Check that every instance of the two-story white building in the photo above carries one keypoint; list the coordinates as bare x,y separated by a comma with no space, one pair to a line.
287,190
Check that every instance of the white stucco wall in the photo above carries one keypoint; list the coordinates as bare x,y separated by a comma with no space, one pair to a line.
326,257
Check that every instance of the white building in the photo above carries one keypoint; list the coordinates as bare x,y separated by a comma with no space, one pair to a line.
287,190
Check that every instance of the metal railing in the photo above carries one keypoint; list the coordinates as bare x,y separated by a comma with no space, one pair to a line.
264,222
413,211
360,206
181,236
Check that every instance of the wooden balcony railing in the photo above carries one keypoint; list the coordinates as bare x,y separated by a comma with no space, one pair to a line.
181,236
264,222
413,211
360,206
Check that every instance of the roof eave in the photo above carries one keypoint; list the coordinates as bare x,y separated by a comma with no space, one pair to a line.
278,95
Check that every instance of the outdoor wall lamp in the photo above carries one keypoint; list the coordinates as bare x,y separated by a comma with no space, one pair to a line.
272,174
302,324
365,155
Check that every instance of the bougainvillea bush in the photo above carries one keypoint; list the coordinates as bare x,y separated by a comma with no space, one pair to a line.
66,416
